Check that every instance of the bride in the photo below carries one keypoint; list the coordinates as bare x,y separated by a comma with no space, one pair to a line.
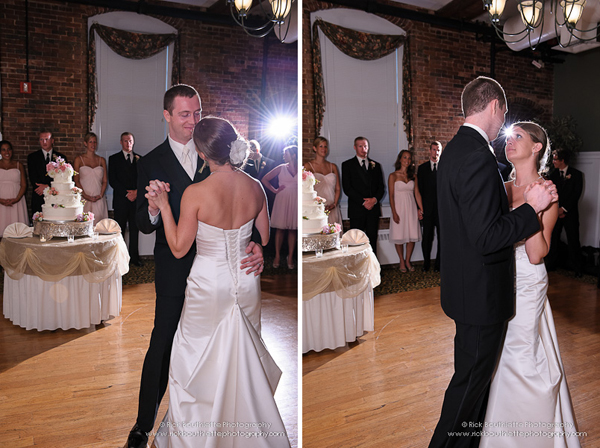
529,404
222,378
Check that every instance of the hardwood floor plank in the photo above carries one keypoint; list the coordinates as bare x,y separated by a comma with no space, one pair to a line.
79,388
386,389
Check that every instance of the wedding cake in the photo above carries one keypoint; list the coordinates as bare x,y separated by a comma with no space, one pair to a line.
317,233
62,199
314,218
62,212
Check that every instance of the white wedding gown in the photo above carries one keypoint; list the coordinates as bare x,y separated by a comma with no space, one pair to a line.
222,378
529,397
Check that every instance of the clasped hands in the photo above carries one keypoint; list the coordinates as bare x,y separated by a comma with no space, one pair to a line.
157,194
369,203
540,194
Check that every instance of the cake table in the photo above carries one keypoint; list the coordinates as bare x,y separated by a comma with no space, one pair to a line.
64,285
337,296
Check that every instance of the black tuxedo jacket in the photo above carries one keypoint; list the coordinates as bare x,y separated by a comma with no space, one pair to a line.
359,185
36,169
569,191
122,176
161,164
428,189
477,232
264,166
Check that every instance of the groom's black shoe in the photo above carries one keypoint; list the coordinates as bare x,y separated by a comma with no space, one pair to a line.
137,438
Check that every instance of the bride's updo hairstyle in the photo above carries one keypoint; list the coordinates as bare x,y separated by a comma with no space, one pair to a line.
538,135
220,142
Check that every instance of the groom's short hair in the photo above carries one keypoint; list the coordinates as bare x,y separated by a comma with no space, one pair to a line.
479,93
178,90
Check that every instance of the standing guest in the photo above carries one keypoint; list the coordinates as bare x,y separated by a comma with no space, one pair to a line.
92,178
362,180
258,164
328,176
477,266
285,206
405,201
569,182
36,168
13,207
122,175
427,186
175,162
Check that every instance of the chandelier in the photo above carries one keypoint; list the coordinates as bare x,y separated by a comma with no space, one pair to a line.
277,16
541,20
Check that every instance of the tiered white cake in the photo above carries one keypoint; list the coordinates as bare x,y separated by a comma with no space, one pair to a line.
62,198
314,217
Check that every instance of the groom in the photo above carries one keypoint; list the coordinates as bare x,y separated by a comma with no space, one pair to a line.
477,273
175,161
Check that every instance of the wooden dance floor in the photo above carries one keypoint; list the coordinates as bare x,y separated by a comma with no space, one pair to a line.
79,388
386,390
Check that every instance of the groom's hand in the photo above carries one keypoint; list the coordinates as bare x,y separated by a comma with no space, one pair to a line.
255,261
540,195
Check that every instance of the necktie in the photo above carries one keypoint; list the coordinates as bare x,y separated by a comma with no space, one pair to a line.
434,168
129,158
48,159
364,166
187,162
562,174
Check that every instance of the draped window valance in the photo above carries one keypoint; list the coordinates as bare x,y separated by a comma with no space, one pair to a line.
364,46
129,45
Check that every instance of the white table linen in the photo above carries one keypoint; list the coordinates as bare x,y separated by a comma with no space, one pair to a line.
338,299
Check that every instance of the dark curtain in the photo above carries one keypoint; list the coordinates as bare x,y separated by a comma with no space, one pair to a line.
129,45
364,46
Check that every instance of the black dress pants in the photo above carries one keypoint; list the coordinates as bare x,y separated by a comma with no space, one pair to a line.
476,351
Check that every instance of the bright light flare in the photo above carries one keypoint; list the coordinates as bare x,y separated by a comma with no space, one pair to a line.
281,127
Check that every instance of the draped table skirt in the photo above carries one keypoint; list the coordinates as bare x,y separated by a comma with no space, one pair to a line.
337,292
63,285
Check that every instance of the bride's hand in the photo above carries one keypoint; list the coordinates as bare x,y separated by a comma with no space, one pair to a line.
158,193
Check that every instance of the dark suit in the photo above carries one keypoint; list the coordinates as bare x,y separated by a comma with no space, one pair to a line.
122,176
569,192
357,185
36,169
170,277
427,180
477,274
258,168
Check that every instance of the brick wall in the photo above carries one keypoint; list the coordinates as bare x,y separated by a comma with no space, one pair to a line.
442,62
224,64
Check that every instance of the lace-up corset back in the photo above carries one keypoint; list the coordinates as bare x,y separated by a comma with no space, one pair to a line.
224,246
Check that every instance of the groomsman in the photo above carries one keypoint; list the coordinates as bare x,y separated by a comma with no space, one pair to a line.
427,178
569,183
36,168
362,181
258,165
122,177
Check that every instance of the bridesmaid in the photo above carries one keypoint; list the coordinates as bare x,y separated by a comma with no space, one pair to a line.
407,208
285,207
13,207
328,176
92,178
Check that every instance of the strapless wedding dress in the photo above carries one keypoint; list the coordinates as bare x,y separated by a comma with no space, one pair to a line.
222,378
529,404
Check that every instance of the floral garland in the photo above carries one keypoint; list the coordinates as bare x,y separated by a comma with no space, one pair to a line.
85,217
37,217
331,228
